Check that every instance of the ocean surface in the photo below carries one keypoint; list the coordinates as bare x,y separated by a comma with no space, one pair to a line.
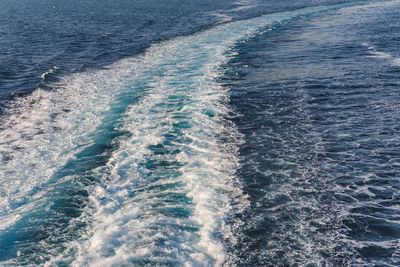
199,133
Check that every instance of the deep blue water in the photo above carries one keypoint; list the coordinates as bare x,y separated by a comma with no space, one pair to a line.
234,133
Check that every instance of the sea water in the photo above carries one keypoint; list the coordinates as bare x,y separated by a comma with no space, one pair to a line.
199,133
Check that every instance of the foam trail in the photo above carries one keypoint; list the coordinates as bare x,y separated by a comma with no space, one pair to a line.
166,192
175,150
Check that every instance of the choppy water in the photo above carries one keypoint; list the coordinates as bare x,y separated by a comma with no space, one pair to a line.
230,133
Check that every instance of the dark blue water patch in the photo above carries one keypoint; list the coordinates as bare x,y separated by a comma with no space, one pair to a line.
79,35
320,153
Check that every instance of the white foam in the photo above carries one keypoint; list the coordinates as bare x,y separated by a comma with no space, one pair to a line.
374,53
240,5
48,72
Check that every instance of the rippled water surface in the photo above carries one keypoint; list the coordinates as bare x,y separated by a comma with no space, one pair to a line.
230,133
